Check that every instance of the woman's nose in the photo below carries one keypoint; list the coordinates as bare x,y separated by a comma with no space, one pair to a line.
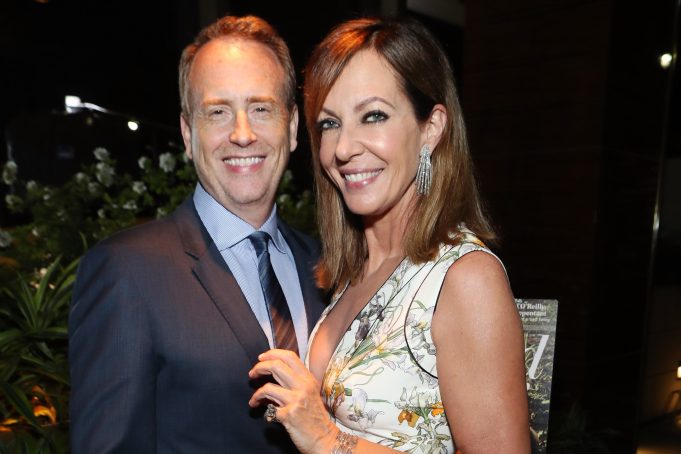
347,145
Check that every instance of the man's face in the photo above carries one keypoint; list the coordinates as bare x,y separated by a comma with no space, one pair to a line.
241,132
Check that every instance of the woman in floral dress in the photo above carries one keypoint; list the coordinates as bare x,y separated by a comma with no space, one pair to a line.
421,348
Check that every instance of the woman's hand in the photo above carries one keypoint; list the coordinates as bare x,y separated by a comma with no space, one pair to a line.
296,394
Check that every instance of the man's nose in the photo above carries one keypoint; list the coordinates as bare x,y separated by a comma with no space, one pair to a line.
242,134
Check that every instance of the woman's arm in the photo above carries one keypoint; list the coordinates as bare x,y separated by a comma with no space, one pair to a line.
300,406
478,337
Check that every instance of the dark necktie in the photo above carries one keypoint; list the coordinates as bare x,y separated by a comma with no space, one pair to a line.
284,335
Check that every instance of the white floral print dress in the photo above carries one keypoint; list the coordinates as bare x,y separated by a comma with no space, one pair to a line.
381,382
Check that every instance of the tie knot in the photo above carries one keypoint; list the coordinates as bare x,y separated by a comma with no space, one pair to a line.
259,241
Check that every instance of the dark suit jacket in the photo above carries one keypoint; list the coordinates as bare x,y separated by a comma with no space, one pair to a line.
161,341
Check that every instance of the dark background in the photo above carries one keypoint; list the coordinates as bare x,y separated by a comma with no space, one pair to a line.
574,127
123,56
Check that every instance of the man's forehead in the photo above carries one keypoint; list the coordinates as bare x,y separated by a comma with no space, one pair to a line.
230,70
235,47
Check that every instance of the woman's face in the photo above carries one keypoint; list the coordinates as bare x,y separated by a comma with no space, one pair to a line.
370,138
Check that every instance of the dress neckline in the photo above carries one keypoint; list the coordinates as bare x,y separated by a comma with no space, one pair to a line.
334,301
402,266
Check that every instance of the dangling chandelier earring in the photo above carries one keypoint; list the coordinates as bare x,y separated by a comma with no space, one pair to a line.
424,174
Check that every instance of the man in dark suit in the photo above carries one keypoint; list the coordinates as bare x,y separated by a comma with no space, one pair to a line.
168,318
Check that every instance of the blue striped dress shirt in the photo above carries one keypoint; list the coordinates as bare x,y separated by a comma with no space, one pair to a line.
230,235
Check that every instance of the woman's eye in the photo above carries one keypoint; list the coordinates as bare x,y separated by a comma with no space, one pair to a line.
375,116
326,123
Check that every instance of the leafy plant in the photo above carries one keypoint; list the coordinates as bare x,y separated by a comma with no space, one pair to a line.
94,203
295,207
98,201
34,380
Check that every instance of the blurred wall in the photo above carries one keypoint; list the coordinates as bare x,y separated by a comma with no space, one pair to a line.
565,102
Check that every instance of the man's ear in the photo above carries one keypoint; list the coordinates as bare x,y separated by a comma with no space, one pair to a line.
293,127
435,125
186,130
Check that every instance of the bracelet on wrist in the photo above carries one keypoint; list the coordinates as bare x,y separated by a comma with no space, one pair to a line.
345,443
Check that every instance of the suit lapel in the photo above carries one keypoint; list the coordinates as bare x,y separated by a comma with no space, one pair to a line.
216,278
223,289
305,262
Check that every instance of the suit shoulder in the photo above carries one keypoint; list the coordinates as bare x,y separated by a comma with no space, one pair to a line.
148,244
140,235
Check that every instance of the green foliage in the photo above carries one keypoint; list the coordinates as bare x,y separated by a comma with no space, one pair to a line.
35,289
34,380
91,205
98,201
295,207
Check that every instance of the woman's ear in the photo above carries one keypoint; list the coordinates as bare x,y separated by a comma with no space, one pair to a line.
435,125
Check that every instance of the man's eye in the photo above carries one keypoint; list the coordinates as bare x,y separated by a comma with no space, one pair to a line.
326,123
216,112
375,116
261,110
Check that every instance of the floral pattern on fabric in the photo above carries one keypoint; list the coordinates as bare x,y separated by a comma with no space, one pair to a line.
381,381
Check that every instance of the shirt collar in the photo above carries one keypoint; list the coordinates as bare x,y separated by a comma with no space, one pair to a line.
227,229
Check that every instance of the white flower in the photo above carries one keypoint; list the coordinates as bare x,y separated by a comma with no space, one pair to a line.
143,162
101,214
428,380
364,419
61,215
5,239
9,172
283,199
130,205
359,401
101,154
105,173
185,158
166,162
35,232
31,185
12,201
139,187
160,212
93,187
82,178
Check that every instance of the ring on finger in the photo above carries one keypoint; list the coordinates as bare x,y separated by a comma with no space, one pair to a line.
271,413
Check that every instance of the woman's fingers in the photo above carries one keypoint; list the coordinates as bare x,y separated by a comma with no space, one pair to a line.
286,356
280,371
292,405
271,392
283,365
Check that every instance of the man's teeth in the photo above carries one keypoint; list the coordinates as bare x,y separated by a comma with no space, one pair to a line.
355,177
243,161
